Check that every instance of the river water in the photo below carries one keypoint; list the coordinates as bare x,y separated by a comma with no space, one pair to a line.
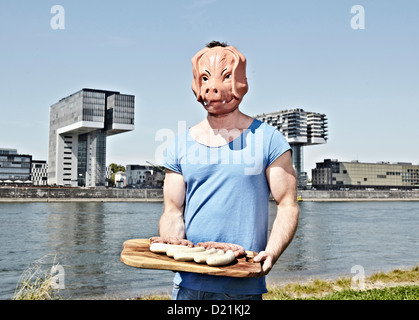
85,239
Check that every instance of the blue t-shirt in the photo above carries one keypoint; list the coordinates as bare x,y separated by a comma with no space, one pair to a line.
227,197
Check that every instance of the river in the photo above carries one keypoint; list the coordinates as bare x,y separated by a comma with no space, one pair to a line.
85,239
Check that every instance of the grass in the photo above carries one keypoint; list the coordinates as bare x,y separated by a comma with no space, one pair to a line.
410,292
397,284
36,284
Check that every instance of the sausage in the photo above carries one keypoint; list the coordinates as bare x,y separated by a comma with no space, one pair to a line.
188,255
202,258
238,250
173,250
221,260
169,240
158,247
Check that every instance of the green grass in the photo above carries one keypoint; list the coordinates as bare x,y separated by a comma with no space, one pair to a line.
395,285
410,292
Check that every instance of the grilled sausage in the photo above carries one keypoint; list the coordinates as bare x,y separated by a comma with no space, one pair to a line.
169,240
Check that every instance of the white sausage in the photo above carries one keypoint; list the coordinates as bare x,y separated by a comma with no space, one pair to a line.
172,251
190,256
221,260
202,258
159,247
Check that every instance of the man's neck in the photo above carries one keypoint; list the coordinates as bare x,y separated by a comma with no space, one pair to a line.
228,121
217,130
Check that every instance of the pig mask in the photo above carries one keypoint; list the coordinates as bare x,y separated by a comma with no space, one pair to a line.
219,78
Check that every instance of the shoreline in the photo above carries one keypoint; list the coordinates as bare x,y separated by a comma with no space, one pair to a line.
52,200
155,200
55,194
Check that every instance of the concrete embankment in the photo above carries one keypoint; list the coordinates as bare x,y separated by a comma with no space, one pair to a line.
359,195
45,194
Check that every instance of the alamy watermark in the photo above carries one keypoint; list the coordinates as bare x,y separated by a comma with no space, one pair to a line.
57,277
57,22
242,147
358,280
358,20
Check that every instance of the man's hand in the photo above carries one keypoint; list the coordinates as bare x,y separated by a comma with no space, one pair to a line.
267,261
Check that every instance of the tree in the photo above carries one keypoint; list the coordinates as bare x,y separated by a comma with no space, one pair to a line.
114,169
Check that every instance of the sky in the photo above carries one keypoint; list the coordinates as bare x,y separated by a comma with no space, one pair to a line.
300,54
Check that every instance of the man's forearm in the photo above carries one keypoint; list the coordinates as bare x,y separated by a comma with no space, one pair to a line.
171,224
283,230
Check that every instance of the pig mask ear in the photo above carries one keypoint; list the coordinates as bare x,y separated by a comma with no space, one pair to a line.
240,85
196,82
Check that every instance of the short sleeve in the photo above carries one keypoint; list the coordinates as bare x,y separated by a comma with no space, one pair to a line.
171,157
277,146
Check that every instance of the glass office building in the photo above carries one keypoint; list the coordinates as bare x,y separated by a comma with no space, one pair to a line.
300,128
14,167
79,126
332,174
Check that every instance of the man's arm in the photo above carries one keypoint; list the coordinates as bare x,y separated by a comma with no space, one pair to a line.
171,223
283,185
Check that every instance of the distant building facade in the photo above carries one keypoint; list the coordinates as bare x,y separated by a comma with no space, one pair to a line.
14,167
120,179
39,173
79,126
333,174
300,128
144,176
137,174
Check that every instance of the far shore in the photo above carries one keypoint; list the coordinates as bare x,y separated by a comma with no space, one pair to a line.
47,194
52,200
23,200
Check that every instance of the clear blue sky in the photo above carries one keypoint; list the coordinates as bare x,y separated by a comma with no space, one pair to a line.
301,54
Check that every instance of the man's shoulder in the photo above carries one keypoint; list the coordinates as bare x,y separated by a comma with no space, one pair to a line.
263,126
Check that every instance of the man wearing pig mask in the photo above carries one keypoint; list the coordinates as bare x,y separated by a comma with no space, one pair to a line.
219,176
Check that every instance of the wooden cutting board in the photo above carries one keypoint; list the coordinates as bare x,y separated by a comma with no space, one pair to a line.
136,253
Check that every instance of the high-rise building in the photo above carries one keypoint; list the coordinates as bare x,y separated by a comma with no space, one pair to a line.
300,128
79,126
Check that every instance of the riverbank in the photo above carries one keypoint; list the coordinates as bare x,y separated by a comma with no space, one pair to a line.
398,284
46,194
55,194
